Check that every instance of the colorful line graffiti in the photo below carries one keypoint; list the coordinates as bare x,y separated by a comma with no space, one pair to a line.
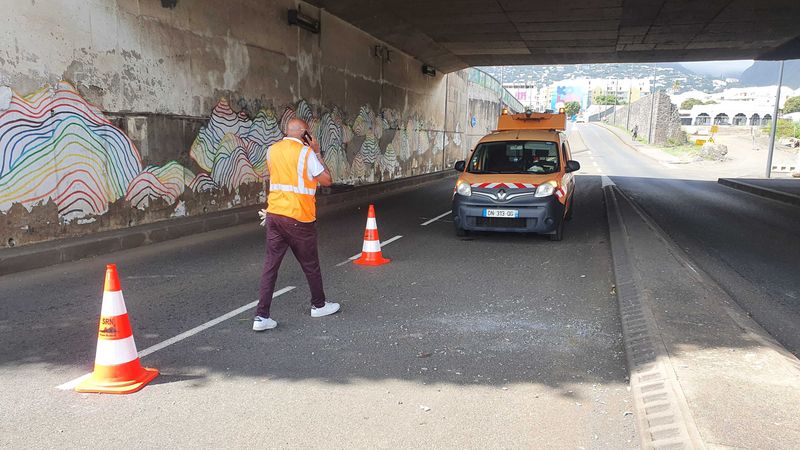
233,148
56,146
167,183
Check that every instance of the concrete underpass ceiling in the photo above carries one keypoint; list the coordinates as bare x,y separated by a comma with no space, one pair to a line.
454,34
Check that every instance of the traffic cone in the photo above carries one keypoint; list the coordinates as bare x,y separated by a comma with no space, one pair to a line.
371,250
116,365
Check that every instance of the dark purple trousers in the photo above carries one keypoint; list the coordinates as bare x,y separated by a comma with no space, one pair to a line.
283,233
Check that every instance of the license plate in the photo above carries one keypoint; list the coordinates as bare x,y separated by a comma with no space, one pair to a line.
500,213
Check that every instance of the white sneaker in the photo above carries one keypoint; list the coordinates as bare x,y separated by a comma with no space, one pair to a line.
263,323
326,310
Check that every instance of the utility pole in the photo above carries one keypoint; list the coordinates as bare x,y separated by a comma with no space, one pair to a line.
650,131
774,127
502,88
628,120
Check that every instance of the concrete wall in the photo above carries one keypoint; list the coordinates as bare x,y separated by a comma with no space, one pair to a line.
666,123
114,114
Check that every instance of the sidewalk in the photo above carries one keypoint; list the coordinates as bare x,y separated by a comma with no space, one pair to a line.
782,190
703,373
57,251
645,149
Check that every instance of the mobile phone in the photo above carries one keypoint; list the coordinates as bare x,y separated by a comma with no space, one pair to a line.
306,138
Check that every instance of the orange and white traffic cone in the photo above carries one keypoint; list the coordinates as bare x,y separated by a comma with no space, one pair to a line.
371,250
116,365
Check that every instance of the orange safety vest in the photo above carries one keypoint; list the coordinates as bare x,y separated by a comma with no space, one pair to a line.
291,192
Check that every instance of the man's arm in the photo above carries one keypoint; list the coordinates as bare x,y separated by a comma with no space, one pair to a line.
325,179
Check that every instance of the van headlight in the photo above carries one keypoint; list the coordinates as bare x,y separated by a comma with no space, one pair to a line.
464,189
546,189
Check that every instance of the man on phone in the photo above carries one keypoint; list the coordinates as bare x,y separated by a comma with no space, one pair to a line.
295,168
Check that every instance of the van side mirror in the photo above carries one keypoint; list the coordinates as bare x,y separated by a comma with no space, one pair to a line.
573,166
460,166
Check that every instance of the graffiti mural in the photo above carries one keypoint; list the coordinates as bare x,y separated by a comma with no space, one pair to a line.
233,148
56,148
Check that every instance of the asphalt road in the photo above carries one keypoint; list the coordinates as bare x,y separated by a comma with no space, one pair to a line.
748,244
489,341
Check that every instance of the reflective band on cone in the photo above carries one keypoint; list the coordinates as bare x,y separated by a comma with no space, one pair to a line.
116,365
371,250
371,247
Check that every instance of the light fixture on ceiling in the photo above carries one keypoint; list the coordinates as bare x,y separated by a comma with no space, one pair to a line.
303,21
428,70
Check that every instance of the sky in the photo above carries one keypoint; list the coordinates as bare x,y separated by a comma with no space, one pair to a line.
718,68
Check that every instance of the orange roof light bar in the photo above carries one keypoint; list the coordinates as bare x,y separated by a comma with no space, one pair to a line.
532,121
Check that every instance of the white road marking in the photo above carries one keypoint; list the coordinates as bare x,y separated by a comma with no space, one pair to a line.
71,384
607,181
148,277
357,255
436,218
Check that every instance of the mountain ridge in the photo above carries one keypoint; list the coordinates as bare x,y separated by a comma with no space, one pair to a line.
761,73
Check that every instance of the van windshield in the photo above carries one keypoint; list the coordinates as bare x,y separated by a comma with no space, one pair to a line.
530,157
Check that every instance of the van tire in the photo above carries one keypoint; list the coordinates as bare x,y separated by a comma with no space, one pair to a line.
559,233
568,215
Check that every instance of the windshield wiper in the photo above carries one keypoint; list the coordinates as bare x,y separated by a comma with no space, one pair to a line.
484,171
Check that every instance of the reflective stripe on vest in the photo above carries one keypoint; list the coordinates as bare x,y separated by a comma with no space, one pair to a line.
301,185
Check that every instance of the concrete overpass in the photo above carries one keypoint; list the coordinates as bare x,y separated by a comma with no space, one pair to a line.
131,122
453,34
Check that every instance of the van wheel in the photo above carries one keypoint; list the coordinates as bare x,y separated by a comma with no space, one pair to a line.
460,232
559,233
568,216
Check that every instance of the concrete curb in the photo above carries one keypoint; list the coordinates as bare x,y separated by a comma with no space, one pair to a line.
761,191
45,254
662,413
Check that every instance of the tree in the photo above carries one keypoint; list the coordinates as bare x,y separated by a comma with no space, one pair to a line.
690,102
792,105
572,109
785,128
602,99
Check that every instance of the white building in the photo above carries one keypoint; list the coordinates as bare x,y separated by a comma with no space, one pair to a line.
753,106
728,113
526,93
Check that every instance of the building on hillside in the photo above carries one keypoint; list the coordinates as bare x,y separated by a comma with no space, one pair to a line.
760,94
582,90
569,91
625,90
526,93
736,113
750,106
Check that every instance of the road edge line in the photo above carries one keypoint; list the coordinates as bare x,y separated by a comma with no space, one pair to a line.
652,377
69,385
